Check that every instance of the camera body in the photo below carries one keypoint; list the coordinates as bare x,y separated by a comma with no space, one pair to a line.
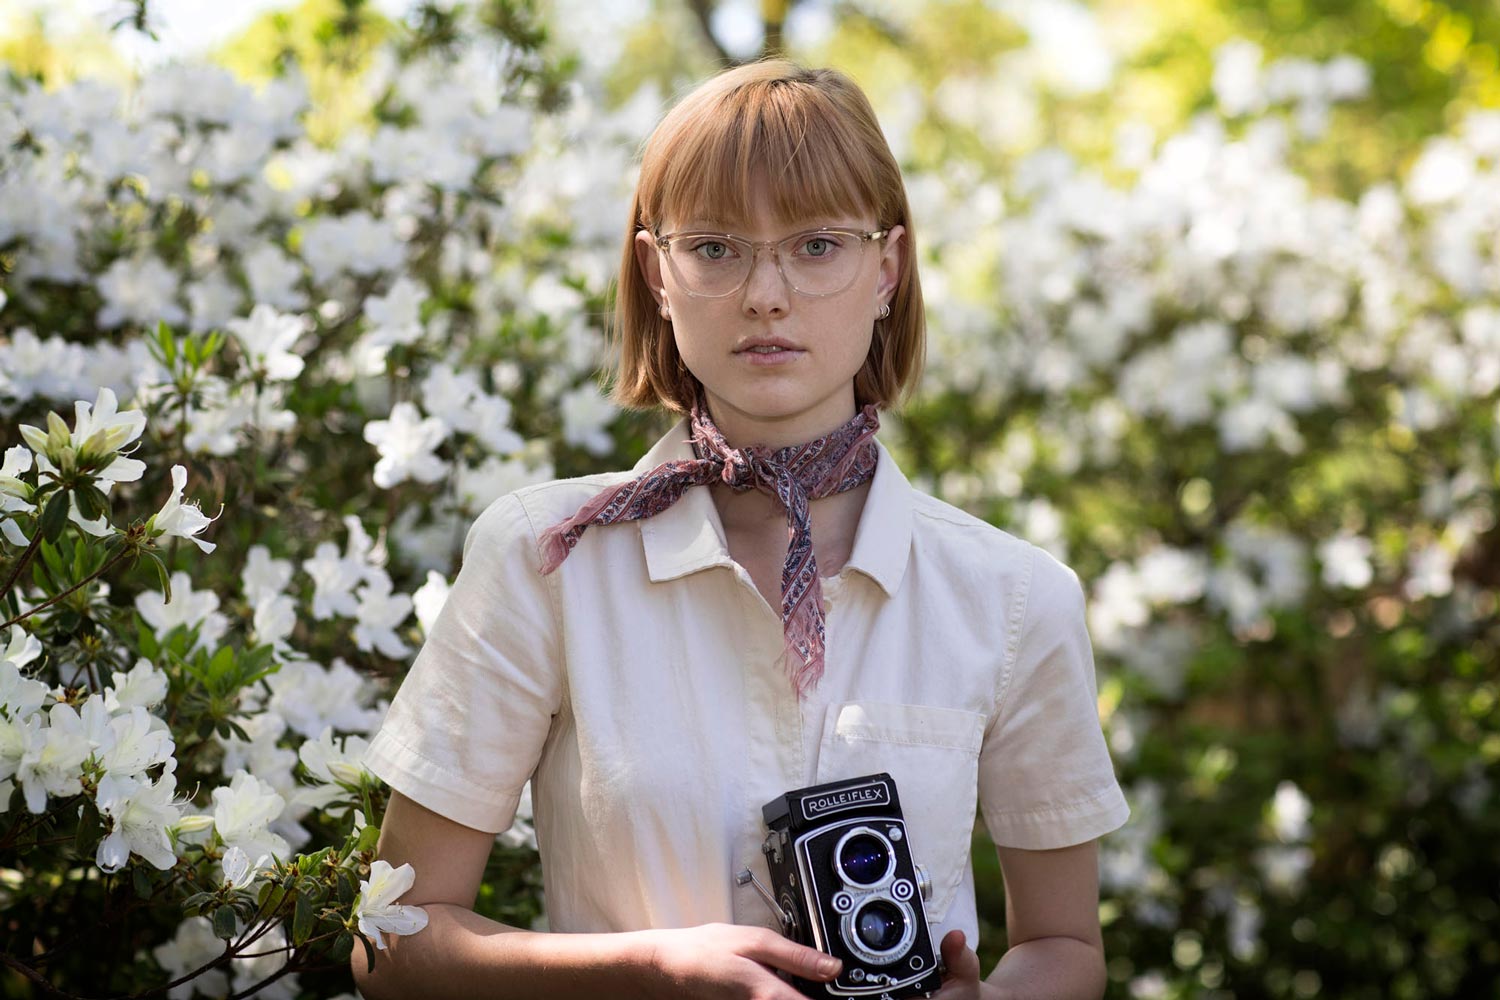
843,876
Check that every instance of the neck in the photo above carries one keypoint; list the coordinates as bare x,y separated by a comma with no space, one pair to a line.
742,429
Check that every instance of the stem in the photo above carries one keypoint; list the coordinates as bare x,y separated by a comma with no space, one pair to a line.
26,554
51,601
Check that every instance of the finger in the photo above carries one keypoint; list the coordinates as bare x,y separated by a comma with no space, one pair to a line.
770,948
962,962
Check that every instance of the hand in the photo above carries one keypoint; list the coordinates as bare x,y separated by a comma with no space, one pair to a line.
961,980
728,961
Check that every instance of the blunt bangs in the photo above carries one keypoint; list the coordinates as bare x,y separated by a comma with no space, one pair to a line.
791,134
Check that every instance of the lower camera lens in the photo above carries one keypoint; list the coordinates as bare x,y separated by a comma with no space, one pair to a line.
864,859
880,925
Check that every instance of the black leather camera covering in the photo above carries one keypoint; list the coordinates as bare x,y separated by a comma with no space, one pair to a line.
806,828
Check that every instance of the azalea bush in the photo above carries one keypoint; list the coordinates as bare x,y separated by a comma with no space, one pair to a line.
255,388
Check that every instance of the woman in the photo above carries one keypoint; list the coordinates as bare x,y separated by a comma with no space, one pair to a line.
661,651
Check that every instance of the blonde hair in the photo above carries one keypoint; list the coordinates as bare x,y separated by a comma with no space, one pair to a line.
816,136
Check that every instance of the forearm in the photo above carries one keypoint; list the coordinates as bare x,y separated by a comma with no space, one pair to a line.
461,954
1051,968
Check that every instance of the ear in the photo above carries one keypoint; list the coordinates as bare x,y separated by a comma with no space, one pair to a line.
648,259
892,263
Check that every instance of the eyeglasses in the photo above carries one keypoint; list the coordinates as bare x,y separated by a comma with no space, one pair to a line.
817,262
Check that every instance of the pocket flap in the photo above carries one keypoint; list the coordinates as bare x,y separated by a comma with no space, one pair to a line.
919,725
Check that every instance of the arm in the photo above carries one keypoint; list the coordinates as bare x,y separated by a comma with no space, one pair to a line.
461,954
1052,922
1052,919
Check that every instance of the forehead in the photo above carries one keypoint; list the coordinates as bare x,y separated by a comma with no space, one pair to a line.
773,161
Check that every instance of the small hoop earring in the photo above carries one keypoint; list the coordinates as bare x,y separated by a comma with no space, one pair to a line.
885,310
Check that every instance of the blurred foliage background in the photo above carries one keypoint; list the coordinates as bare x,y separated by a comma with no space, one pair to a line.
1397,895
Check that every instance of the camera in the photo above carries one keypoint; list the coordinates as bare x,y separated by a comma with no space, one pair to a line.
843,881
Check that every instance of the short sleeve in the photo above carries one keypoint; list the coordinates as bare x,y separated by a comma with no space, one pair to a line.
466,727
1045,776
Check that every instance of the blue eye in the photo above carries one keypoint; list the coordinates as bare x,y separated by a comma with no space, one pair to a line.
724,250
819,247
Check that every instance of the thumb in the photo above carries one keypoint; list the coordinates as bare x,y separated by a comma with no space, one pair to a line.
961,960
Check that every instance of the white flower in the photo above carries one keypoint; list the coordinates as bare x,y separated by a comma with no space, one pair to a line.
267,956
102,428
395,318
192,947
268,338
179,519
1346,561
1431,570
139,290
20,697
188,607
143,685
310,698
274,277
377,909
331,763
429,599
334,579
1172,576
244,810
380,611
51,762
139,741
238,871
1283,866
264,576
406,442
142,811
585,415
1290,810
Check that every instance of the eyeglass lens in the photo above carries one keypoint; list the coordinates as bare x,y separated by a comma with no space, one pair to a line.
814,263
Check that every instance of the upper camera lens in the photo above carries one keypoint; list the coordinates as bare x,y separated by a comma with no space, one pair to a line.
880,925
864,858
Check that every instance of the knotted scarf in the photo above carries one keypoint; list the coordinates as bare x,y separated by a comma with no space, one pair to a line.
792,476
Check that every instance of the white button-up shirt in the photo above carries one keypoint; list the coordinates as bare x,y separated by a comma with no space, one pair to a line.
637,688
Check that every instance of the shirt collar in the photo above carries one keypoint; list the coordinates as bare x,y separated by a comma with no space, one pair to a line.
688,536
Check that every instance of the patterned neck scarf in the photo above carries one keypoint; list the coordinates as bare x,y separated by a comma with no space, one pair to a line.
792,476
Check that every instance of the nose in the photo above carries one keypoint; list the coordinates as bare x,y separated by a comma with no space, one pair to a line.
766,293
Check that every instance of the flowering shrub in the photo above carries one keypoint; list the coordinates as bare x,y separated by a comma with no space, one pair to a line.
1260,419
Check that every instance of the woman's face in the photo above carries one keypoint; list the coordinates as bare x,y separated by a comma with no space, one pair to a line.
804,391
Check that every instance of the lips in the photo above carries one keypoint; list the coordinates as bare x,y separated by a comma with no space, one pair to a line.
780,342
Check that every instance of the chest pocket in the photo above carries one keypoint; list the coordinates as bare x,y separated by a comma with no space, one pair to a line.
933,753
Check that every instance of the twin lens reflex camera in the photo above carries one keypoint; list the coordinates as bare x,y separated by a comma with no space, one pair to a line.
843,882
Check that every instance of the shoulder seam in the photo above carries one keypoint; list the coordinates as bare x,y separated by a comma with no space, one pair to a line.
554,600
1019,608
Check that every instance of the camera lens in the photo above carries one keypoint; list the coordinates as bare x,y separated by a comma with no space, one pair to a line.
864,859
880,925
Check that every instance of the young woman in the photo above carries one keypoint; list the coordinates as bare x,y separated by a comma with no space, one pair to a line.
763,603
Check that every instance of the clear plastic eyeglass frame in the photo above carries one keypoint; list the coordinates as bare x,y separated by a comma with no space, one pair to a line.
664,243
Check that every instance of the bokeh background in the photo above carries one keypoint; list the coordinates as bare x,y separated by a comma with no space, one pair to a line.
1214,316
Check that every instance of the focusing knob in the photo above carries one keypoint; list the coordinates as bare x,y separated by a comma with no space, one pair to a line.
924,883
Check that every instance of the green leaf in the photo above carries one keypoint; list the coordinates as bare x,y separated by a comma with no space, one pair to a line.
161,574
55,517
343,947
89,828
90,502
222,664
347,886
302,920
369,953
369,837
224,922
141,881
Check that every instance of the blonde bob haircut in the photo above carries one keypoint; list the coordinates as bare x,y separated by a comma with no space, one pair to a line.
814,135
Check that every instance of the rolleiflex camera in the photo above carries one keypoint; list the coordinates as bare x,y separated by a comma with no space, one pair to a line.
843,881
